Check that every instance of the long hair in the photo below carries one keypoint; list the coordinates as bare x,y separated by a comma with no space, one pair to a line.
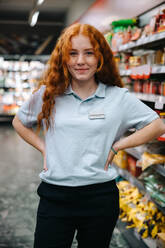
57,77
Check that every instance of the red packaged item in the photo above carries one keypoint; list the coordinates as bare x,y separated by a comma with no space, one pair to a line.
132,167
146,87
137,86
136,33
161,88
163,83
160,22
153,87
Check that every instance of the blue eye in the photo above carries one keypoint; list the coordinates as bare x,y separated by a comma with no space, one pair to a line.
72,53
90,53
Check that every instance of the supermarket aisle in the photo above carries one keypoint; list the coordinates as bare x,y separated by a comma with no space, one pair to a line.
20,165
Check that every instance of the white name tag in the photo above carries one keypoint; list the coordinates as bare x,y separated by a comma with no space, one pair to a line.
92,116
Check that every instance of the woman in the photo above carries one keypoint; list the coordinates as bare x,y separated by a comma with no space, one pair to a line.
84,111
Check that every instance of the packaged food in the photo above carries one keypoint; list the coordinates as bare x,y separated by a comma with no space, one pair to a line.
139,212
154,184
133,168
148,159
121,159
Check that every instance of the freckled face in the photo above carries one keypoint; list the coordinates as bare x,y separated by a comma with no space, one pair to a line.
82,63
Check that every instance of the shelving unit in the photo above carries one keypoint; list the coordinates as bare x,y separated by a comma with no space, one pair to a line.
125,174
133,238
157,167
154,69
142,67
18,78
150,97
144,42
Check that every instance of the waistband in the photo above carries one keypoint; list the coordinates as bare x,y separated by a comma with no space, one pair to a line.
83,187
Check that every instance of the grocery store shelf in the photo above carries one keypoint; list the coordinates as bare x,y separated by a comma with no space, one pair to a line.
150,97
14,87
6,118
125,174
135,153
24,57
133,180
125,72
154,69
133,238
143,42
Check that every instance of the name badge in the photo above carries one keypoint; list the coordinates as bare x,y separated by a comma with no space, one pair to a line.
97,114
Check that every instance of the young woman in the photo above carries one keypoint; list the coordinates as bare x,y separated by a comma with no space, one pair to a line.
84,110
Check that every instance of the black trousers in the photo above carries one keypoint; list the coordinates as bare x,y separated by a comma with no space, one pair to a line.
90,210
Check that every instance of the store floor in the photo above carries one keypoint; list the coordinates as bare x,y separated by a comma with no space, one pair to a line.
20,165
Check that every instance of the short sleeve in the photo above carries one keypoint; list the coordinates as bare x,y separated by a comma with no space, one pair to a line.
136,114
30,109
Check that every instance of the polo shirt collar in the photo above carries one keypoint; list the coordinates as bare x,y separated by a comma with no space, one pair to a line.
100,91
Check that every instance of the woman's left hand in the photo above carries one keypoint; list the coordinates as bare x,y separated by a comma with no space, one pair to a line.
109,159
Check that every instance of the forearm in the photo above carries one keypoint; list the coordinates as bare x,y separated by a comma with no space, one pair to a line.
29,135
142,136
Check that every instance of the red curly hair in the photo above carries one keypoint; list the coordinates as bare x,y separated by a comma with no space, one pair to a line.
57,77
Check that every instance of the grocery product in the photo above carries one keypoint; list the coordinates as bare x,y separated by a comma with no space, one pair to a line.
154,184
139,212
133,167
121,159
148,159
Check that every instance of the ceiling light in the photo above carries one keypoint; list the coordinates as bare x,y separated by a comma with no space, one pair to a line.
34,18
39,2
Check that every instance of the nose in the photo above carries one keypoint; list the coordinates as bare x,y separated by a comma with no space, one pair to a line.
80,59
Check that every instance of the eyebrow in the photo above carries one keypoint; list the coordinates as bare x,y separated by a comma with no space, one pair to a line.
87,49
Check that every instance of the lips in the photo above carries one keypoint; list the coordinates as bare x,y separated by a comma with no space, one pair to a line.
81,70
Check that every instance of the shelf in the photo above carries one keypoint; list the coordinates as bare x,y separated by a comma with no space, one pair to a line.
12,87
133,238
133,180
157,99
157,167
154,69
6,118
143,42
25,57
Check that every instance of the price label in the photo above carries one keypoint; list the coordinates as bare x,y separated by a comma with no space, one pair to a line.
159,105
162,69
151,38
139,42
146,40
158,69
162,35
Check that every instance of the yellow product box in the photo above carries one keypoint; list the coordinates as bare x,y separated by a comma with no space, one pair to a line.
121,159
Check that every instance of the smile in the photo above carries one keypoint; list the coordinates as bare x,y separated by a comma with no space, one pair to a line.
81,70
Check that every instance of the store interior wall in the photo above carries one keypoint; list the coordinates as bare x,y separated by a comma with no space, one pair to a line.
105,11
77,9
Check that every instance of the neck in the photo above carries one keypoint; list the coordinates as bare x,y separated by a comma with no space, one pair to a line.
84,88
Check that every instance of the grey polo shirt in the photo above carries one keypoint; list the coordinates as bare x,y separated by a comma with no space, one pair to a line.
83,131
